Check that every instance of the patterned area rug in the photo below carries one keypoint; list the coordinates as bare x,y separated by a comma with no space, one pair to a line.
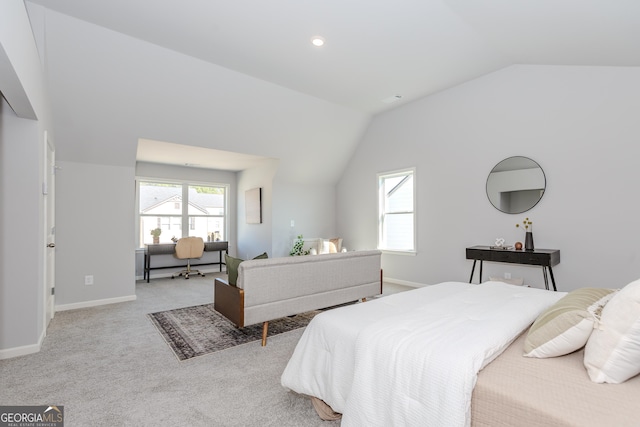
199,330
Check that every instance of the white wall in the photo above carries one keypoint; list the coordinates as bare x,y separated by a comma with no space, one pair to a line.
579,123
21,199
312,209
254,239
310,206
95,235
21,297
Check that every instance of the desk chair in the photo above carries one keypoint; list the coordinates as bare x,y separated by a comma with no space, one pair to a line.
189,248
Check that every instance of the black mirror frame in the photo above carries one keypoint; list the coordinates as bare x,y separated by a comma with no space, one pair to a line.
534,204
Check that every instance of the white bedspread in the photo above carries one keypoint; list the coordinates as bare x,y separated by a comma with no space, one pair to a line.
412,358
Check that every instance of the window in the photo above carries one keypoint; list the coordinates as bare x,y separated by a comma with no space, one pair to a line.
396,209
181,209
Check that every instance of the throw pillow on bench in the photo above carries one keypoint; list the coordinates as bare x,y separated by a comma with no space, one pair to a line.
232,266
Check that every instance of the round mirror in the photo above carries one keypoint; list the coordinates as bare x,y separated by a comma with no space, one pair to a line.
515,185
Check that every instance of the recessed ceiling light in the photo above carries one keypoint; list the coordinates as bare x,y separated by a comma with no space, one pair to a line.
317,41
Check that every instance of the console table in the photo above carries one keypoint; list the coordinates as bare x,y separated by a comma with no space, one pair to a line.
170,248
546,258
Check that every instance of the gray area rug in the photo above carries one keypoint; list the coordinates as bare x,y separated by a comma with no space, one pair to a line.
199,330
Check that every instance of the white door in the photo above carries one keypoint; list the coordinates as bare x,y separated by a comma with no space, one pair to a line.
48,190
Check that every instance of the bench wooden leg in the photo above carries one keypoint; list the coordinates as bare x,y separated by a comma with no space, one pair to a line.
265,328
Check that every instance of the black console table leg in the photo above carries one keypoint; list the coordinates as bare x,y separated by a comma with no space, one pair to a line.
553,280
544,275
472,270
480,278
147,265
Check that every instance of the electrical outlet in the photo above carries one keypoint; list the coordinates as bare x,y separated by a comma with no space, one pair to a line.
88,280
293,223
507,275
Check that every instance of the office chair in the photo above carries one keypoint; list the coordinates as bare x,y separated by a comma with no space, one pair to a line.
189,248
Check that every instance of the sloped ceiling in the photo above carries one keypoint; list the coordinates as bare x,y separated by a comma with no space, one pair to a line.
295,94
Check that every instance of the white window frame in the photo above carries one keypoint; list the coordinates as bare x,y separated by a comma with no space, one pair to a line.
185,203
382,214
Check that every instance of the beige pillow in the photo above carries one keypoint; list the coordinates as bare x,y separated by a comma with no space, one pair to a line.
565,326
612,354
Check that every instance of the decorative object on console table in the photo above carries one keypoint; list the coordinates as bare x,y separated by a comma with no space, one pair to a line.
499,245
156,232
527,224
528,241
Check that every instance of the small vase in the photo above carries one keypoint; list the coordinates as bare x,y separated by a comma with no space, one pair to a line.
156,240
528,241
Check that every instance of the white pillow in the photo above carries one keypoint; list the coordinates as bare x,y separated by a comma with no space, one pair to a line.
330,246
612,354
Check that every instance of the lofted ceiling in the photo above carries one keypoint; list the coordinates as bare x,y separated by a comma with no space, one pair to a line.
377,49
377,54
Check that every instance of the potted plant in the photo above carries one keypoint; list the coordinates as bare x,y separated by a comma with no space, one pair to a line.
298,247
156,232
527,224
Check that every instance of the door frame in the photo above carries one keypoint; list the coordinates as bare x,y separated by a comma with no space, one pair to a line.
48,192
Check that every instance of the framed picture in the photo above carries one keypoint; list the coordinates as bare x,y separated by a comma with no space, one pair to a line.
253,205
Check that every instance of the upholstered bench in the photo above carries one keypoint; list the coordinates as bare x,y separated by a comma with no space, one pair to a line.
273,288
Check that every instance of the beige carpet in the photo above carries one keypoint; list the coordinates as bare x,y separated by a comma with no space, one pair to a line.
108,367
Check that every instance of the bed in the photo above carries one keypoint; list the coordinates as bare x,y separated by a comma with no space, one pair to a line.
520,391
418,358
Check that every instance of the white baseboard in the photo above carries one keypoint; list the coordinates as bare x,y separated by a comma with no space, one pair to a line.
94,303
23,350
404,282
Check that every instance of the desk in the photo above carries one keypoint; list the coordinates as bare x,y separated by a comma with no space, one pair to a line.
546,258
170,249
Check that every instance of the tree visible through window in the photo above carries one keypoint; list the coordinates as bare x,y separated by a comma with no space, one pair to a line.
396,221
181,209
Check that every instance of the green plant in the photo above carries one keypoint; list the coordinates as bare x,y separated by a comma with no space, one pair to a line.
156,232
298,247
